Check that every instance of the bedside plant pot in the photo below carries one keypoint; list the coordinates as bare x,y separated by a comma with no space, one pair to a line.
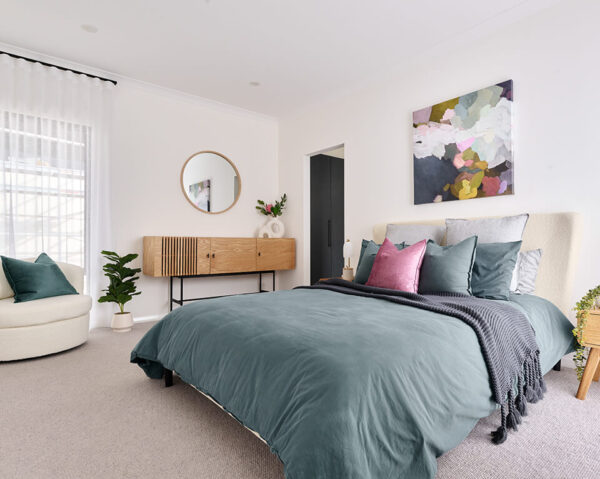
121,322
348,274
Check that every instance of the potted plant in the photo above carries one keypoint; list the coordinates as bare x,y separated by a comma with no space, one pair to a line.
273,228
121,288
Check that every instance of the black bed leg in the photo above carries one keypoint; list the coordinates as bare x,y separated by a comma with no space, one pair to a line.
557,366
168,375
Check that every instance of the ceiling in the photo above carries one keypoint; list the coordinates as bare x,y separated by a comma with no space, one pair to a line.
300,51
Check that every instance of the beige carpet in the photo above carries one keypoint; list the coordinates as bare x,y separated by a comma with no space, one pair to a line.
88,413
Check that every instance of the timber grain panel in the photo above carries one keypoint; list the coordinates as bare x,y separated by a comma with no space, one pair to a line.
275,253
232,255
591,333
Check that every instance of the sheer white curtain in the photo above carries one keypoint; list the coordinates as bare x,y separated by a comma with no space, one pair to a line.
54,165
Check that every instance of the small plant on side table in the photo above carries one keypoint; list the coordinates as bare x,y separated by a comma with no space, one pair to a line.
121,287
582,307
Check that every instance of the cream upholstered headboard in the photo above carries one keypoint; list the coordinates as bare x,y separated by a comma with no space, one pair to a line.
558,235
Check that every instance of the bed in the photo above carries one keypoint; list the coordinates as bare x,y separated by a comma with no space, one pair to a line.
350,386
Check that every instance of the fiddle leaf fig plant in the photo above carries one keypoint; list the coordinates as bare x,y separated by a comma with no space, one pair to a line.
582,307
121,287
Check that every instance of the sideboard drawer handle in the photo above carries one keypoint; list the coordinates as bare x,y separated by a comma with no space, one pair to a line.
208,255
259,253
213,255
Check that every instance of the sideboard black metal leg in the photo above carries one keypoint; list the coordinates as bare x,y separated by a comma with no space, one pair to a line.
557,366
181,290
273,280
170,293
168,375
260,290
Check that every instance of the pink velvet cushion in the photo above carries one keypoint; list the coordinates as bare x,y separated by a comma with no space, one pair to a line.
398,269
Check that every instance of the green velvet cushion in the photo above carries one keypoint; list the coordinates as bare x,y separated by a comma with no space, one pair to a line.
41,279
493,269
448,269
368,252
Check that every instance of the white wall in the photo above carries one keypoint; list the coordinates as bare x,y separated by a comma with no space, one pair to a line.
550,57
155,131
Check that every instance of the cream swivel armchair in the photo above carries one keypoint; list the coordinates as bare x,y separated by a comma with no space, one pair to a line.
43,326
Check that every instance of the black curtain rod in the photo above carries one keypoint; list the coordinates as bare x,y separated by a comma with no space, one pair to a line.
114,82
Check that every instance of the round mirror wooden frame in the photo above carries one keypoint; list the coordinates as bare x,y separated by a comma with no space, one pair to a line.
237,173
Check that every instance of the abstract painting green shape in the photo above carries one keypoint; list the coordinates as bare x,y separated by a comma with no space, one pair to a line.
463,147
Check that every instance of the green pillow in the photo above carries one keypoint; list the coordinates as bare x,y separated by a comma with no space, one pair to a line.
493,269
368,251
447,269
42,279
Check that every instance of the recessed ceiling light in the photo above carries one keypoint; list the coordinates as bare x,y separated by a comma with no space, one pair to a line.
89,28
254,83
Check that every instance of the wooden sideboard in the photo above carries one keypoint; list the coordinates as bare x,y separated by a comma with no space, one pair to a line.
190,256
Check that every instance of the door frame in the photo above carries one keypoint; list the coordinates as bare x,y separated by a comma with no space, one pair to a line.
306,204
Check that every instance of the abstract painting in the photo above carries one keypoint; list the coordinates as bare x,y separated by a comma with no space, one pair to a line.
200,194
463,148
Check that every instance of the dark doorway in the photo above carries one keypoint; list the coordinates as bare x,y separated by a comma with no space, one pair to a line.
326,216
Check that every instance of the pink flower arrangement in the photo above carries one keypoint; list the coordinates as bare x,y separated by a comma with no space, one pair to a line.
270,209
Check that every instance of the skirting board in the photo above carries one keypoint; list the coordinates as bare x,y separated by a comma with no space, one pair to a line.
147,319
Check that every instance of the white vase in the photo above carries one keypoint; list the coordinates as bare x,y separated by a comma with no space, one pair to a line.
273,228
121,322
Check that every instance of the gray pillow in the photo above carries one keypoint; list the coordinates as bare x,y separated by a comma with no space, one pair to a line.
487,230
526,270
493,269
411,234
368,252
448,269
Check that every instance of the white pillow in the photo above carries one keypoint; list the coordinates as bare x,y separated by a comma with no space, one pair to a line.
525,273
412,234
487,230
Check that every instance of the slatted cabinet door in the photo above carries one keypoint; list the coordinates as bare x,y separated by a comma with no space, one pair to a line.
185,255
275,254
232,255
176,255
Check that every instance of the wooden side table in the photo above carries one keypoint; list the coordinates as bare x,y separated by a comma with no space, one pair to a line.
591,338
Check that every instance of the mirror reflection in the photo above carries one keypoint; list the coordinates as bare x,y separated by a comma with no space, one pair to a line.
210,182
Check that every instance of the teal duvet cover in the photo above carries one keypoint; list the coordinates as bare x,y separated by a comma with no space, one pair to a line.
341,386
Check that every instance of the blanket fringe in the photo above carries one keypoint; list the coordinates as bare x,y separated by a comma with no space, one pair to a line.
530,388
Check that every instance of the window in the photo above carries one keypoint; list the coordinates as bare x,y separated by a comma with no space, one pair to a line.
43,187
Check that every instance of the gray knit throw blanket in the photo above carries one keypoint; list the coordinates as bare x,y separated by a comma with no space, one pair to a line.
506,338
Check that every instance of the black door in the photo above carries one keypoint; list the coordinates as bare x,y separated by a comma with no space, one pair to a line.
326,217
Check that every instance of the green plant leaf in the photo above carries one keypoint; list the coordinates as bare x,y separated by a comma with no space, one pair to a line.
121,287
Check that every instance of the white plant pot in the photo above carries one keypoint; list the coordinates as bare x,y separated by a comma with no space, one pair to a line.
273,228
121,322
348,274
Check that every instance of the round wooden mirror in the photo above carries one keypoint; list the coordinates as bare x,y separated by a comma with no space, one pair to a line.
210,182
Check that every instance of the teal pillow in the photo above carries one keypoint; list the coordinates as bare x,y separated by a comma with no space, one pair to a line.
368,251
30,281
448,269
493,269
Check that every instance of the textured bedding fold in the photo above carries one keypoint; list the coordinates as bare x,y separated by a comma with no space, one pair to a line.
506,338
338,385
